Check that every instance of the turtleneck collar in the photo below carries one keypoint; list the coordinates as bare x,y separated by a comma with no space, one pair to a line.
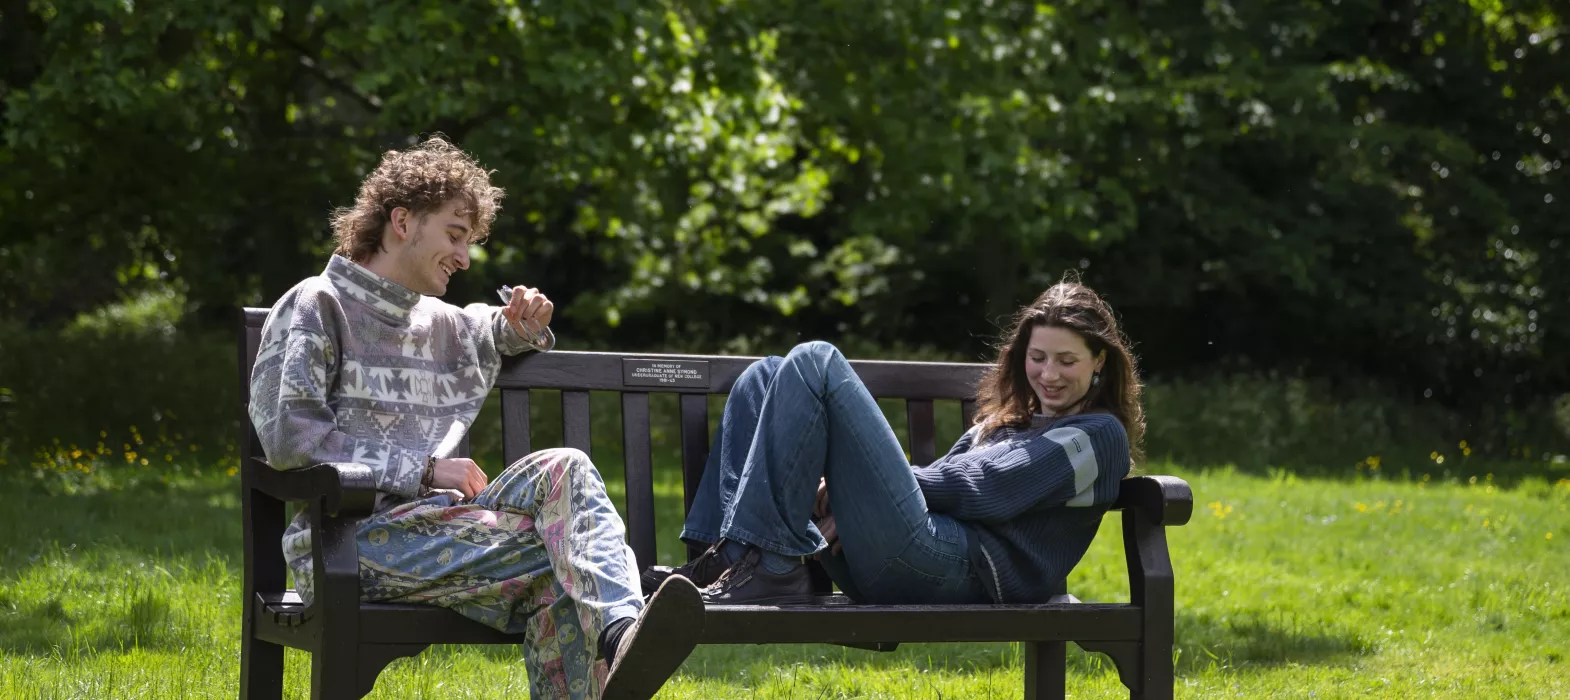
369,288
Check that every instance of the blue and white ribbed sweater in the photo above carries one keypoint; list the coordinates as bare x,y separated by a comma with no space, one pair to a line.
1031,498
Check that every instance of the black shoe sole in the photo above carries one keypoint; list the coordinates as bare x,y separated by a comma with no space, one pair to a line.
663,637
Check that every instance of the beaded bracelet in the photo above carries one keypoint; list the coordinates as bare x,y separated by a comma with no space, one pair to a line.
430,471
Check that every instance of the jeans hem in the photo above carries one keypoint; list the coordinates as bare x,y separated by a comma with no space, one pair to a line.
691,536
746,537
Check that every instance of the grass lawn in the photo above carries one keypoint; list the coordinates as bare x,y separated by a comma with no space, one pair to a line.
1286,587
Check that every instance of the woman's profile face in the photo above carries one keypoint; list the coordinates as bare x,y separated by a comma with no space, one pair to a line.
1059,366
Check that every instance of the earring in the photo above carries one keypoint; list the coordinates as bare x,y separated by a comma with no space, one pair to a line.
1095,379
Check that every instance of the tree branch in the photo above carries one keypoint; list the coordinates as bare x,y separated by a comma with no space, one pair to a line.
314,66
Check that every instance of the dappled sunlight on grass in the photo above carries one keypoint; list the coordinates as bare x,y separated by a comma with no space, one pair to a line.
1367,585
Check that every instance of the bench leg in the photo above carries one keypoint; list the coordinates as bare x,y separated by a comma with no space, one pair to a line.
1155,661
375,657
1046,672
334,672
261,670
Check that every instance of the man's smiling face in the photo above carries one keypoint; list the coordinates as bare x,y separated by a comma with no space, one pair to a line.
436,247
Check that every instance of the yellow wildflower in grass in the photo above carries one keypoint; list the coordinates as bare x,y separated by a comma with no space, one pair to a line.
1548,536
1361,508
1218,509
233,470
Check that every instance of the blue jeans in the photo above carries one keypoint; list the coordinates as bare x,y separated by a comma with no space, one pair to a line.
791,421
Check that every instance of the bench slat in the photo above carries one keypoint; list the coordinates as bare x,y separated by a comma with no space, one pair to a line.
575,420
919,419
827,624
602,371
694,449
639,476
515,425
968,409
850,624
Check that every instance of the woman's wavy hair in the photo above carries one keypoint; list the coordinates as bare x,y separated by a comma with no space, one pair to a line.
421,179
1004,397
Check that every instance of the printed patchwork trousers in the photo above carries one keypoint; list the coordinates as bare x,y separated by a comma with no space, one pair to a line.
541,551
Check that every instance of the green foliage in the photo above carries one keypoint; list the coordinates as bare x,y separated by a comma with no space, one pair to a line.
118,382
1349,187
1259,422
119,395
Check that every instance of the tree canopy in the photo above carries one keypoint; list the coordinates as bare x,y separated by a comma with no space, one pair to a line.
1346,186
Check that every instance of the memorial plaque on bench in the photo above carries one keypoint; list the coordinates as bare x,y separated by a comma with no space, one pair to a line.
685,374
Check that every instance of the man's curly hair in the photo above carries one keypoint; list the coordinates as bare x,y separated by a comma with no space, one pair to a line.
421,179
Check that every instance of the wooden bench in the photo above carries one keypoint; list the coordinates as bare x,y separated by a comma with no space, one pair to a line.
351,642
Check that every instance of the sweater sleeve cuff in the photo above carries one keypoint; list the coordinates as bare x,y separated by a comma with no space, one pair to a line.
402,473
510,342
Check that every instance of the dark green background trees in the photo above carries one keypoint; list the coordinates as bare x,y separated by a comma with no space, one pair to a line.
1349,188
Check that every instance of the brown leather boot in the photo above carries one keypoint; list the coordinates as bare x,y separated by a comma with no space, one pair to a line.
701,571
747,583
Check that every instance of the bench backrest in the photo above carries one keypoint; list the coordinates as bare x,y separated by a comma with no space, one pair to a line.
693,377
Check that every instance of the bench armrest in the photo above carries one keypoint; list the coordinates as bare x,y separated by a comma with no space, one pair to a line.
346,490
1166,500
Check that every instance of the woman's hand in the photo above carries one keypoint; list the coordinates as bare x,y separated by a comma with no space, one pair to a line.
830,533
825,517
820,508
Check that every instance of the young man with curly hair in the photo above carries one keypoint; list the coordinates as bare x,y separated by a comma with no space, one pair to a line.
363,364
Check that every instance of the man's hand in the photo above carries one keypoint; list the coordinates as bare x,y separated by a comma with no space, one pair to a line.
459,474
528,311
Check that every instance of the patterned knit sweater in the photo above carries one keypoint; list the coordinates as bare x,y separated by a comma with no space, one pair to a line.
1031,499
355,368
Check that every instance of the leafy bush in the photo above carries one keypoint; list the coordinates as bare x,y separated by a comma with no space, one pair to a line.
1259,421
115,382
125,392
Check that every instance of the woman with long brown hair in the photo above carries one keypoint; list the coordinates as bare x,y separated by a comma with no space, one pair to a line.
805,463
